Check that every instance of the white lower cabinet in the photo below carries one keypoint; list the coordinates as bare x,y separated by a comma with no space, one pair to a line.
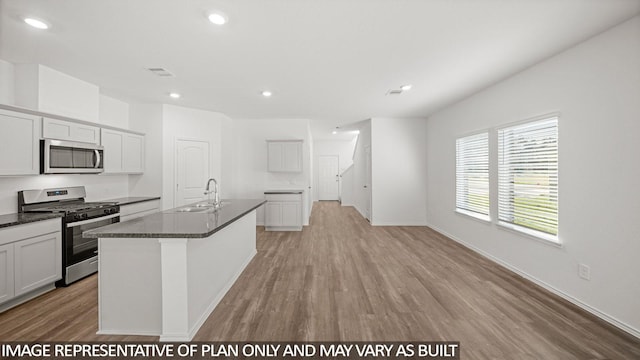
36,262
132,211
6,273
283,212
30,260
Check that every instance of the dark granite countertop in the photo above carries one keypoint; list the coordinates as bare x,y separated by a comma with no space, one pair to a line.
132,199
19,218
174,224
285,191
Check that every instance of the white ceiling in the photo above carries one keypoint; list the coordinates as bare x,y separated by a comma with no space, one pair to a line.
331,61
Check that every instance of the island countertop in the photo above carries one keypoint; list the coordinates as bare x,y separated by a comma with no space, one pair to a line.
174,224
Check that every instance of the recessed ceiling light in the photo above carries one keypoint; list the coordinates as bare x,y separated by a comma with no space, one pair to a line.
217,18
175,95
334,132
38,24
405,87
266,93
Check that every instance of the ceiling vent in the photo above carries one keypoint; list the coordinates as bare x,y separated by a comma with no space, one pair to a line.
394,92
161,72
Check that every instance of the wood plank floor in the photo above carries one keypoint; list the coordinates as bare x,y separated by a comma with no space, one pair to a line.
343,280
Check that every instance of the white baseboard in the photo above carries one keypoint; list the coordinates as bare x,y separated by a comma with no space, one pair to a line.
214,302
604,316
127,332
20,299
360,211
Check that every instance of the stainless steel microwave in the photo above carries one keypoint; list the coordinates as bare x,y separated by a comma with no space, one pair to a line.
66,157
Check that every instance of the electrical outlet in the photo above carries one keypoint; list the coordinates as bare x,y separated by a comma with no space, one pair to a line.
584,271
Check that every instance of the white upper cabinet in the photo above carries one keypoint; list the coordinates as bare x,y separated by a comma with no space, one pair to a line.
123,152
44,89
19,143
134,153
70,131
113,143
284,155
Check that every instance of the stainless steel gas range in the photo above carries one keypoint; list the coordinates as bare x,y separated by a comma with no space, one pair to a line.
79,254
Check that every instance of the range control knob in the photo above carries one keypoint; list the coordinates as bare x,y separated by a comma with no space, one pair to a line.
84,216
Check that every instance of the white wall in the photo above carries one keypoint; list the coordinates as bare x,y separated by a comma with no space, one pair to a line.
7,74
360,176
249,158
596,88
113,112
398,171
99,187
347,180
41,88
192,124
341,148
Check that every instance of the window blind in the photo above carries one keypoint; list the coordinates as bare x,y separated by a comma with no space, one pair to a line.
472,173
528,175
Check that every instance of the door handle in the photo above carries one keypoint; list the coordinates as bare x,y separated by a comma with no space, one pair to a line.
97,154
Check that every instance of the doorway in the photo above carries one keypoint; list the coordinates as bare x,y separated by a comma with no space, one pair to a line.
328,177
192,171
367,185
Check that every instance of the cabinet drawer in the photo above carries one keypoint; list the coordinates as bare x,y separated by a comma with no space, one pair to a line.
141,207
283,197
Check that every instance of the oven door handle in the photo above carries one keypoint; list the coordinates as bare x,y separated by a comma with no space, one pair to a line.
84,222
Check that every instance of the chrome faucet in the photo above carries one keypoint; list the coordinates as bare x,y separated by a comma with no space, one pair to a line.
216,192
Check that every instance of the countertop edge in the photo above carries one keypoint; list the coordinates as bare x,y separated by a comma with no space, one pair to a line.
176,235
275,192
26,219
139,199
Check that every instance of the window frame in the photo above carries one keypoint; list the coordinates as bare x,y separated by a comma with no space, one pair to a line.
467,212
550,238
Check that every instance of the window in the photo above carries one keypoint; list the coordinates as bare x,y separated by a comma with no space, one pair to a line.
528,177
472,175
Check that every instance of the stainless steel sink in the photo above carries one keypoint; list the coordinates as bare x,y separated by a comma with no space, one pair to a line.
190,209
200,207
210,205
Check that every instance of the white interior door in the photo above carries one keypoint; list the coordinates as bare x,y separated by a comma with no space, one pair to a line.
192,171
328,177
367,185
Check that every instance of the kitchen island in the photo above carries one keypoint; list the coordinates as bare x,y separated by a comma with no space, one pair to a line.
163,274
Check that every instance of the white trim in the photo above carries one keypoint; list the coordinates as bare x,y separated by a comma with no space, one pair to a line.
545,238
549,115
126,332
604,316
474,215
361,212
